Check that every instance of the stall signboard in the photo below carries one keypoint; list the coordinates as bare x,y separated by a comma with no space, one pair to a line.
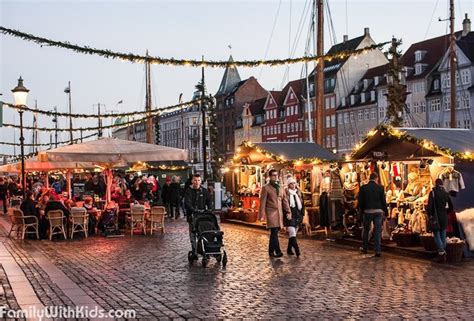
382,155
78,190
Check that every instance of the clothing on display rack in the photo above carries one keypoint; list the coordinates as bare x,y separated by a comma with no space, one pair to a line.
384,174
324,210
452,180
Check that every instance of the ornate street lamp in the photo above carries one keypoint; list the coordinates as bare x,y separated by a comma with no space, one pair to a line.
20,94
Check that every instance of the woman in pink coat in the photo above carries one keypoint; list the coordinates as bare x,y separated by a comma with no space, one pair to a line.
273,205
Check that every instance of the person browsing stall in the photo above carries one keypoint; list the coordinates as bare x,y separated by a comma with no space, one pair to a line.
372,205
196,198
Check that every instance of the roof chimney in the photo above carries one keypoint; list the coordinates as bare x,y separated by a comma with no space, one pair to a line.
366,31
346,37
466,26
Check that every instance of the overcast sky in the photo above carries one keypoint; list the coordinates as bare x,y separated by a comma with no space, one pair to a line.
180,29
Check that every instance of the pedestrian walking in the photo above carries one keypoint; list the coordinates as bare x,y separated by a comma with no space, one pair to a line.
166,195
439,204
292,221
3,194
273,205
196,198
174,199
372,205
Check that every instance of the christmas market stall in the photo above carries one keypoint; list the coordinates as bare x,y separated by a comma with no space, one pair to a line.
307,162
408,161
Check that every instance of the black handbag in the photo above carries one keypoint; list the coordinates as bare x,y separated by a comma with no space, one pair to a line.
433,223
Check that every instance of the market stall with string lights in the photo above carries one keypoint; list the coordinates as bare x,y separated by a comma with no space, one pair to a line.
306,162
408,161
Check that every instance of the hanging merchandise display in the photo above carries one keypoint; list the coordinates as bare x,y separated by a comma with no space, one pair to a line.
412,160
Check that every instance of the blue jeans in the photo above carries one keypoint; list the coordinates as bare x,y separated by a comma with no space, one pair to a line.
440,240
377,219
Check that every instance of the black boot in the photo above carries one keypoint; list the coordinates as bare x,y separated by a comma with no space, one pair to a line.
296,247
289,251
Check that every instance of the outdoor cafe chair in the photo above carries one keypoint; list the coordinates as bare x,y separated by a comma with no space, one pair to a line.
22,223
137,219
56,223
157,219
79,221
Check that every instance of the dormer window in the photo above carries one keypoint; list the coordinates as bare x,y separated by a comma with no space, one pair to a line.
372,95
343,101
366,83
352,99
436,84
418,69
362,98
419,54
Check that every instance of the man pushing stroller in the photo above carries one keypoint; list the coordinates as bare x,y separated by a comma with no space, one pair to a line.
196,198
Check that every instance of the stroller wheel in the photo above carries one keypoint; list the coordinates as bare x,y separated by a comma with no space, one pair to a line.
204,261
218,258
224,259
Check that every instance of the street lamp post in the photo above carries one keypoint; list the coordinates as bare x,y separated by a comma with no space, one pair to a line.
20,94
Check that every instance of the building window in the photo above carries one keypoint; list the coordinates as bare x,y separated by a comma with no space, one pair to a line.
328,121
465,77
373,114
333,120
360,115
346,118
366,114
339,119
418,55
436,84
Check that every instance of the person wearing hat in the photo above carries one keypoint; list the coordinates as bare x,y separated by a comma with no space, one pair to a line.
293,220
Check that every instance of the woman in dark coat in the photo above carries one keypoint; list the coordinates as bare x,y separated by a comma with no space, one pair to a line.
439,203
293,221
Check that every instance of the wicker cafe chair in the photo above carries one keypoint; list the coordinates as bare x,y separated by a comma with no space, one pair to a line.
137,219
22,223
79,221
56,223
157,219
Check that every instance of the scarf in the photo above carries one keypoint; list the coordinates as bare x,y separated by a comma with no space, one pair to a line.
277,187
295,199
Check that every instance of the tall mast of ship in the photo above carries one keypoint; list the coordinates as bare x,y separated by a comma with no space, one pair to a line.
452,63
319,85
149,120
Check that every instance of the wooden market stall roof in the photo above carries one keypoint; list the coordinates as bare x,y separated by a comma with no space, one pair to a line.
406,143
254,153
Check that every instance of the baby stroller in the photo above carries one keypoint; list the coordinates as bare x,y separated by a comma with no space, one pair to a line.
209,238
108,223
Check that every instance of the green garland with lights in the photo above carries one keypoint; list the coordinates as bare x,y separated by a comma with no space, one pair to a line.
281,159
106,53
114,115
391,132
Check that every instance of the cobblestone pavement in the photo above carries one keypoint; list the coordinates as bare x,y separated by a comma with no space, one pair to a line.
151,275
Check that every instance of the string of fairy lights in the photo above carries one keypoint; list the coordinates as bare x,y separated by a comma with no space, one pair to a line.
155,60
108,115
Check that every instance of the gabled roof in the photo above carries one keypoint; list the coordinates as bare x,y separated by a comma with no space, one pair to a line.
297,86
466,44
230,79
256,107
333,66
278,97
435,49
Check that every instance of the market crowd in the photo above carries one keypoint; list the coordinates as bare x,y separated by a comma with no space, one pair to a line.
126,190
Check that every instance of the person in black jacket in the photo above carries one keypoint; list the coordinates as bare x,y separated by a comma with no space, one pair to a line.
196,198
174,199
3,194
439,202
372,204
28,207
166,195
